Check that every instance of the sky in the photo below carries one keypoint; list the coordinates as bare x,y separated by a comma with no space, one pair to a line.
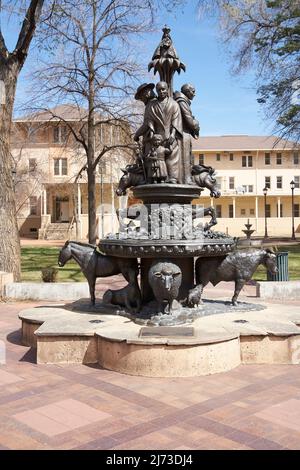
224,104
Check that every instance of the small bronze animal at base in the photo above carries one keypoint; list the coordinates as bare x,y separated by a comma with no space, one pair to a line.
128,297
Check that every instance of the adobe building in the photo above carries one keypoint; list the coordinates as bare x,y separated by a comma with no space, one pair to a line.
245,165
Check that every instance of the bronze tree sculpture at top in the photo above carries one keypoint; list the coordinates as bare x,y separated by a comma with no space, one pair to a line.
165,60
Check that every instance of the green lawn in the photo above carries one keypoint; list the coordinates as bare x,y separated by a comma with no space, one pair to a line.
35,258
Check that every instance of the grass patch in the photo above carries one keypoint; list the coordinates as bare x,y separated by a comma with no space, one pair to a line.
34,259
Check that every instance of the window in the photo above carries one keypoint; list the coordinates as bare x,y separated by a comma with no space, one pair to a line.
267,158
231,182
268,210
297,182
279,182
33,205
230,207
243,211
100,133
280,211
296,158
248,188
231,157
116,134
103,167
32,164
252,211
247,161
60,167
219,211
32,134
59,134
268,182
219,183
218,157
279,158
201,159
296,210
56,134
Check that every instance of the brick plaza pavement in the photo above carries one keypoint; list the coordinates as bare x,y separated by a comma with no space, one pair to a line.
82,407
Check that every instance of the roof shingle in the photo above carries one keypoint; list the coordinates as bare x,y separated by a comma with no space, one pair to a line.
244,143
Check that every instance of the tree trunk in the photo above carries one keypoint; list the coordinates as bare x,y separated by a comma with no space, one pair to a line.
91,169
91,158
9,233
92,202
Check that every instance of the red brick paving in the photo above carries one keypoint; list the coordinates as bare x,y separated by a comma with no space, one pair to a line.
81,407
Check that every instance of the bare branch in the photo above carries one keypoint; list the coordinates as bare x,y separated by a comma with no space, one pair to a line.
3,49
27,30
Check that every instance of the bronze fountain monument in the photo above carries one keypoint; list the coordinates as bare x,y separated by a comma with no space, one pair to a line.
167,253
164,241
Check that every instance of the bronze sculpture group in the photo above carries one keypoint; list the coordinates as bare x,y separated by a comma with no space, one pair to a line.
166,133
173,253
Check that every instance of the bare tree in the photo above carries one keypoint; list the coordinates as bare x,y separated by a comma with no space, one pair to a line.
11,64
265,35
96,68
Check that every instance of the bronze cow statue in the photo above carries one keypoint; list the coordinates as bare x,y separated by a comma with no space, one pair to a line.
238,267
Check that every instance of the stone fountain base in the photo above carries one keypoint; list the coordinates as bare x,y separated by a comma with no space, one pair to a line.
213,343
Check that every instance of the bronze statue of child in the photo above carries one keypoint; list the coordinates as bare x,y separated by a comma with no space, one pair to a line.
155,161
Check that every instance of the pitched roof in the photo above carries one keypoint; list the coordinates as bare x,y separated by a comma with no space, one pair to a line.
243,143
67,112
224,143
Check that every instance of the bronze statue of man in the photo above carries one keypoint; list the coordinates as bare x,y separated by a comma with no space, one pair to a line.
163,117
190,128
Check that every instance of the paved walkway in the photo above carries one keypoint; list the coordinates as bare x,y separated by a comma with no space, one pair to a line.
81,407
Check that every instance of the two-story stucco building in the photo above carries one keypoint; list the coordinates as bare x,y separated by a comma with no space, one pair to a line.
245,165
52,200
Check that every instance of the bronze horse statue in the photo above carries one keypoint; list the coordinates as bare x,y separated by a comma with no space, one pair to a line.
94,264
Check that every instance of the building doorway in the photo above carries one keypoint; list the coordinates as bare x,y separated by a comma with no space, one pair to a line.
62,209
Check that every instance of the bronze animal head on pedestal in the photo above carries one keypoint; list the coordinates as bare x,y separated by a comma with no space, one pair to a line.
205,177
133,175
